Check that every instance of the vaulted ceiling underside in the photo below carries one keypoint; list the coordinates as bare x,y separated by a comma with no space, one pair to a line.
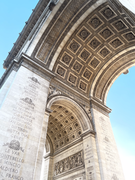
63,127
104,33
86,38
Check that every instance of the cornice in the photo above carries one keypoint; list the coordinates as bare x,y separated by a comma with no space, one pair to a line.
29,25
34,18
98,105
90,132
39,69
28,63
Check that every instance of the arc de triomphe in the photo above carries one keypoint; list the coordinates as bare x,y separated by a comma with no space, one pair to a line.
54,123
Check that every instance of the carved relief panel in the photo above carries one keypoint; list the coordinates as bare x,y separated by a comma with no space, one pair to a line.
69,163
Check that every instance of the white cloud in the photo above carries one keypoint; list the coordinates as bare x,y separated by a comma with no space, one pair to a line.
128,164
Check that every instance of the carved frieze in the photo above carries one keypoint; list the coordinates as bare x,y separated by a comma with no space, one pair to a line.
69,163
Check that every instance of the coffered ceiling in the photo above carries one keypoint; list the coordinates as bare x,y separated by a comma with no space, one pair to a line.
63,127
104,33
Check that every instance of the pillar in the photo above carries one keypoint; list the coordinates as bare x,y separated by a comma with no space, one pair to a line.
22,124
45,164
108,157
48,168
90,157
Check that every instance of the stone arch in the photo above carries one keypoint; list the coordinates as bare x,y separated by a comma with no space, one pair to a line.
48,146
67,122
79,111
110,72
96,34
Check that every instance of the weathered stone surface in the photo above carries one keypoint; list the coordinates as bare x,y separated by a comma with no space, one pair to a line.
81,47
108,157
22,118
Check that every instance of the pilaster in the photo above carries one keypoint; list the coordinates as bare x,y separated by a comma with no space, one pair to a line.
23,125
90,157
108,157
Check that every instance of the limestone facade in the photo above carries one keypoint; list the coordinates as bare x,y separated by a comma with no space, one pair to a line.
54,121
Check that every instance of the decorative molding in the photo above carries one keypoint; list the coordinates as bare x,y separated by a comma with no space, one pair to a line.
99,106
53,91
91,132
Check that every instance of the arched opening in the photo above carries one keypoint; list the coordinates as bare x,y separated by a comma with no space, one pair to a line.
67,123
121,99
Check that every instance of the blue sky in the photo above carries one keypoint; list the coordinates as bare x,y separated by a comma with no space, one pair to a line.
121,97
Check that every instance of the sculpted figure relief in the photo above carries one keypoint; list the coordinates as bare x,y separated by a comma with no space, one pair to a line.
61,167
69,163
56,172
66,164
53,91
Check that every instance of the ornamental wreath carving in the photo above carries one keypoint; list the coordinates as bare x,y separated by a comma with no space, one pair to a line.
69,163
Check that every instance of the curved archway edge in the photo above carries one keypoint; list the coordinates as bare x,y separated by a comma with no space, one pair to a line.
79,112
110,72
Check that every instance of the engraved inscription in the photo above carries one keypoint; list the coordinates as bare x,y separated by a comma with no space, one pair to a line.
19,129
